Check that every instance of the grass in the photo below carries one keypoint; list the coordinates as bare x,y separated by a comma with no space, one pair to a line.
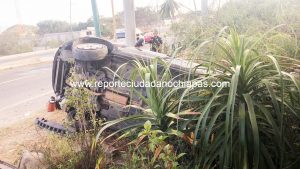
23,134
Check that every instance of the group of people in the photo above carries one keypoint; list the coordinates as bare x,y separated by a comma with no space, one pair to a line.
155,42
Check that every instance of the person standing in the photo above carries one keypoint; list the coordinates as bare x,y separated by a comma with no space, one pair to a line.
139,41
156,42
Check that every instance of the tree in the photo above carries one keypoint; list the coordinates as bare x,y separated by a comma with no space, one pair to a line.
145,16
83,25
168,9
17,39
51,26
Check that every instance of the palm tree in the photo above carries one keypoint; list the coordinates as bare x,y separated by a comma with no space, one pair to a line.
114,19
169,8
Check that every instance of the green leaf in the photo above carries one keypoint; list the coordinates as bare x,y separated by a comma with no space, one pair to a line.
255,132
147,125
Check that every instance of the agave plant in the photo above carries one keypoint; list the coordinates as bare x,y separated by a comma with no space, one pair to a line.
245,125
159,103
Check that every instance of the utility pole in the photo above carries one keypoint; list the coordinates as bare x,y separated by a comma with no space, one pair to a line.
204,7
96,18
157,17
195,6
113,19
71,18
21,29
129,14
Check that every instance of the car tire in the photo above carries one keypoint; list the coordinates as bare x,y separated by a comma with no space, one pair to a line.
91,49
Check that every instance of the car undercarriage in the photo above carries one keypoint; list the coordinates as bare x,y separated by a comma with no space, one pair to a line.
98,59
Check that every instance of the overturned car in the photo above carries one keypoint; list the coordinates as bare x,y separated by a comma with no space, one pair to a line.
92,57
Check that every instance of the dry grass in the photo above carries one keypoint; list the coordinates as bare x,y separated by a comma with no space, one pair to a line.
24,135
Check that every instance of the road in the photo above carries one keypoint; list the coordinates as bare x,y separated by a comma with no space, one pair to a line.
24,90
17,60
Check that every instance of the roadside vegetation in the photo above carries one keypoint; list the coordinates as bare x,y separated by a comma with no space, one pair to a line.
253,123
17,39
27,38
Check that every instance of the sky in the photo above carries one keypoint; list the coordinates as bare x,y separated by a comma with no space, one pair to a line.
32,11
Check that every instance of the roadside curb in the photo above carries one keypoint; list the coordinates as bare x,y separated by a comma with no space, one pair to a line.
24,62
31,58
27,54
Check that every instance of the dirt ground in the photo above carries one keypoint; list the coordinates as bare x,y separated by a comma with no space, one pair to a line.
24,135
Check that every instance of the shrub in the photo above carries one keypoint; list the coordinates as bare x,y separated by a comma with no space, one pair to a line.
245,125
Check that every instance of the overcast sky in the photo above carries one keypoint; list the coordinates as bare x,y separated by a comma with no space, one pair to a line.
32,11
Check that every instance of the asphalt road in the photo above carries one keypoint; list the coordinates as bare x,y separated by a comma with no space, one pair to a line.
18,60
24,90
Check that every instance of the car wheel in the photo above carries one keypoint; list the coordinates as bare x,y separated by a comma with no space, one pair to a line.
91,49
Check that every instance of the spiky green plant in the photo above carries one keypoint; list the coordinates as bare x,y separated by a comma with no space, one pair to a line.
158,102
245,125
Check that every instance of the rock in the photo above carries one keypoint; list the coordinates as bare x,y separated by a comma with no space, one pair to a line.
32,160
